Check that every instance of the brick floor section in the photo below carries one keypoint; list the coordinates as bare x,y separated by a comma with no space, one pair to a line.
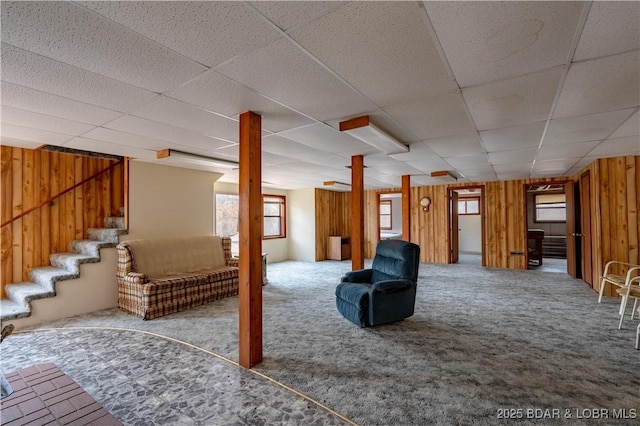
44,395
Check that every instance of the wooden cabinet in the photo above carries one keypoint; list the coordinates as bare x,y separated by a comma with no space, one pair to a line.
339,248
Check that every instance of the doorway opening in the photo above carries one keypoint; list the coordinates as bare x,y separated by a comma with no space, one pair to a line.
547,227
390,216
466,225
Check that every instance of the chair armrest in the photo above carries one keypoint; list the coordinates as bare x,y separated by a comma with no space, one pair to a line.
359,276
390,286
234,261
135,278
617,262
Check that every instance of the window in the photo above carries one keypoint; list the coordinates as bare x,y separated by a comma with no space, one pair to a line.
550,207
274,216
385,215
227,213
469,206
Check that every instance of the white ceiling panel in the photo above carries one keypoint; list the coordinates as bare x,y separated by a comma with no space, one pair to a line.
43,122
308,87
558,166
599,85
12,131
289,15
520,100
276,144
612,27
220,94
489,41
618,147
179,114
513,156
207,31
450,146
429,165
111,148
631,127
515,137
69,33
20,143
417,151
47,75
332,161
477,174
435,116
391,66
553,152
122,138
464,161
326,138
44,103
171,134
522,169
584,128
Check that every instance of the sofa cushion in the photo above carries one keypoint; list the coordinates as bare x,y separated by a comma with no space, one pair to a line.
162,257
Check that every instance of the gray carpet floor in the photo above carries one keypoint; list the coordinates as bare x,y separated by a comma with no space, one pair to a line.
483,344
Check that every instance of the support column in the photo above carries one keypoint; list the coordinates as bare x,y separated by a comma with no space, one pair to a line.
357,212
406,207
250,224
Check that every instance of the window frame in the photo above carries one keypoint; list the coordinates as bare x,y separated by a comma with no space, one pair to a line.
535,208
465,200
283,216
380,214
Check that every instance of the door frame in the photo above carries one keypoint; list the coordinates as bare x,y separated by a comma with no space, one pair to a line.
483,224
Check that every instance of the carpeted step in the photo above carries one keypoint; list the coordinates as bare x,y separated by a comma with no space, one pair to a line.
71,261
47,276
10,309
25,292
114,222
110,235
89,247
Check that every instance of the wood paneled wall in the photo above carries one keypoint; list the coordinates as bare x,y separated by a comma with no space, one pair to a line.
333,217
615,202
31,177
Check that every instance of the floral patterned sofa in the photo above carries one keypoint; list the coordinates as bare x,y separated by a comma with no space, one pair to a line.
162,276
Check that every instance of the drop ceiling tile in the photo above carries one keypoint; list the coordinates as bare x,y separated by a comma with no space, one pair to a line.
417,151
618,147
631,127
327,139
12,131
155,130
515,175
435,116
489,41
391,66
179,114
489,177
285,74
276,144
520,100
122,138
585,127
567,150
70,33
19,143
559,166
44,103
47,75
462,161
111,148
612,27
222,95
598,85
209,32
478,174
515,137
43,122
521,168
450,146
269,159
295,13
513,156
429,165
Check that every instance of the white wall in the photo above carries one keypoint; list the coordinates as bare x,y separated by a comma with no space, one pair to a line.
301,205
470,234
166,201
396,215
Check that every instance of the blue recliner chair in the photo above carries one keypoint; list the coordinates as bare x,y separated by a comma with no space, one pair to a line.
386,292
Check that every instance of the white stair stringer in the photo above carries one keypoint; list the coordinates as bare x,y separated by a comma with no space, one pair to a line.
87,288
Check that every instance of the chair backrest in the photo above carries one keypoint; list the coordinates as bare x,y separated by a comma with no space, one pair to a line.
396,259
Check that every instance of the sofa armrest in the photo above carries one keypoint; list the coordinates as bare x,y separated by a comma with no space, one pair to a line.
234,261
360,276
135,278
390,286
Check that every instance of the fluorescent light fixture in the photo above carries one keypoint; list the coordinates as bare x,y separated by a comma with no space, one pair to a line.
173,156
332,184
444,176
361,128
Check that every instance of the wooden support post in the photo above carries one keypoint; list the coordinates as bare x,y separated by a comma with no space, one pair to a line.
250,292
406,207
357,212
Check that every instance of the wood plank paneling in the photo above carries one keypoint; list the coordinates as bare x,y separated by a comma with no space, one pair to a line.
333,218
30,178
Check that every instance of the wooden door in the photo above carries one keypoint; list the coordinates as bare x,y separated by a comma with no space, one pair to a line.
455,245
585,223
574,239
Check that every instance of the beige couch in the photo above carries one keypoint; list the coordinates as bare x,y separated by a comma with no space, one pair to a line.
161,276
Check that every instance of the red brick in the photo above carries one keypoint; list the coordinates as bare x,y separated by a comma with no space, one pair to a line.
98,417
62,408
30,371
17,384
10,414
68,393
38,417
18,397
62,381
31,406
82,400
83,412
43,388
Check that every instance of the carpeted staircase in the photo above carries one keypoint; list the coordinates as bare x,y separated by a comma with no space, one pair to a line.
64,266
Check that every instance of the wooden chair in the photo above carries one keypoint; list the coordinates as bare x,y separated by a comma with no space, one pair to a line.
632,289
617,280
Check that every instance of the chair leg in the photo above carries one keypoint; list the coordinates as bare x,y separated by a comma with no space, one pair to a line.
601,290
623,309
638,338
635,306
